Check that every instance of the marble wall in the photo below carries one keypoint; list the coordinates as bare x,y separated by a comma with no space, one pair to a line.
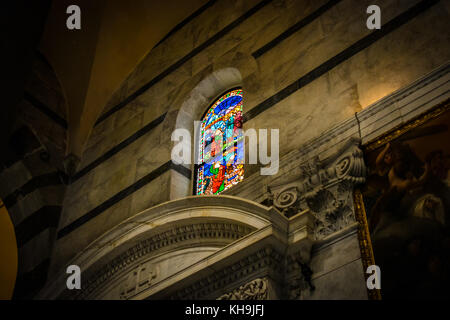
395,60
32,174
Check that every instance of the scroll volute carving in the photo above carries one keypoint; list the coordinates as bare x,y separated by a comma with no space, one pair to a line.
287,200
323,187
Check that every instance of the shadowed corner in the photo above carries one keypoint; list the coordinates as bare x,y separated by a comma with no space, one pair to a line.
8,254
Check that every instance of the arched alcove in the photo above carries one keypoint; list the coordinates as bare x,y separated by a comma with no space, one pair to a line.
192,109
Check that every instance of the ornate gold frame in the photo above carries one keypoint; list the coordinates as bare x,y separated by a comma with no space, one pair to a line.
365,243
403,128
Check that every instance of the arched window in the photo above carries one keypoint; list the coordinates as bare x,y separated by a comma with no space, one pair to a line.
221,149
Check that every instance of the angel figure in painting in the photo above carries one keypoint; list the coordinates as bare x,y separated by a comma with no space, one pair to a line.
400,170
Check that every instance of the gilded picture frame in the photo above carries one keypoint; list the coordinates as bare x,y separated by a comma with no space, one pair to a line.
364,235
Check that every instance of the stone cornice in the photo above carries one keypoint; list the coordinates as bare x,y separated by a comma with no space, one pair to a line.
178,237
266,261
180,212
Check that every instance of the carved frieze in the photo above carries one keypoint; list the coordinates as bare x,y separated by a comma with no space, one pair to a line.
265,260
253,290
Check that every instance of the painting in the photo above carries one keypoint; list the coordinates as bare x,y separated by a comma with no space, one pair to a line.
407,205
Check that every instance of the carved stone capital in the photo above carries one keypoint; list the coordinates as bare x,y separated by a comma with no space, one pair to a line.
324,187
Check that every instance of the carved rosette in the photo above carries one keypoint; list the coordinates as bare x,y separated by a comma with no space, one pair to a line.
253,290
325,188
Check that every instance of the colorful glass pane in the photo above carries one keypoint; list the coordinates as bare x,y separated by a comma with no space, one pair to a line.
221,149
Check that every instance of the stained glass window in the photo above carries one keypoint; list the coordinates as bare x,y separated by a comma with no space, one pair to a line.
221,149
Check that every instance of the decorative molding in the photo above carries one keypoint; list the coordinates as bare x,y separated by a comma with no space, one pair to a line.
323,187
138,280
365,243
403,128
257,265
254,290
175,237
393,110
298,276
419,87
161,218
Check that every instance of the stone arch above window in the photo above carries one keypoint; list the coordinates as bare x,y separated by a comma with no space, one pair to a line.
193,109
220,145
